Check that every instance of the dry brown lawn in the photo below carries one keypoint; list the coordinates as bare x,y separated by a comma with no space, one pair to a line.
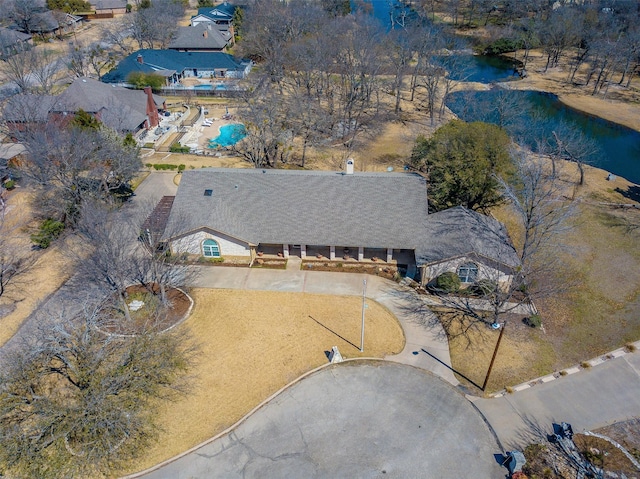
255,342
600,309
48,273
196,161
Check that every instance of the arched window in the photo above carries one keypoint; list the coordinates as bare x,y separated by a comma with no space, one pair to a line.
211,248
468,272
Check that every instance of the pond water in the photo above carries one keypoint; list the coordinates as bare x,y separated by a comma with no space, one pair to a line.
229,135
483,68
530,116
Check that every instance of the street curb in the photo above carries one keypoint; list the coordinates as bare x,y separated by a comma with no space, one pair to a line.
245,417
593,362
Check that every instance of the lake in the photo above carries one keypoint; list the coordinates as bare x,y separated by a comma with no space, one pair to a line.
531,115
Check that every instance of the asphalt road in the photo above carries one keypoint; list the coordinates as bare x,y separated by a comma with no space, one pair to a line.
353,420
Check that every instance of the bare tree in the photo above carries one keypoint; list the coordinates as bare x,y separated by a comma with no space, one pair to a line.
543,214
117,33
26,14
33,70
90,61
571,144
69,164
105,256
155,26
77,402
269,138
156,268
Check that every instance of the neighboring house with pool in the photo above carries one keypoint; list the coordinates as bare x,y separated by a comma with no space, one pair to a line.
175,66
247,215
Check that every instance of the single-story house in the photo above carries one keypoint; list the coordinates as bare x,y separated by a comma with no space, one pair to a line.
12,42
201,38
116,107
336,215
10,156
175,65
220,15
109,6
45,22
473,245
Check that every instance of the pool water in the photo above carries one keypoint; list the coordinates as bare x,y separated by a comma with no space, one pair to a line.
209,87
229,135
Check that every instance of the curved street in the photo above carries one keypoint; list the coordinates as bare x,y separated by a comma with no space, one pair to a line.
375,419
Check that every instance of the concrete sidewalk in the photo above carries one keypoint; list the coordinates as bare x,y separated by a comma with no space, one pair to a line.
426,344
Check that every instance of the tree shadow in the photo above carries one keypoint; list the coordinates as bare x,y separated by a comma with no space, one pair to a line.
632,192
333,332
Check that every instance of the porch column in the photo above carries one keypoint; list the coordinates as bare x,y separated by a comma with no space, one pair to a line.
360,253
389,255
285,250
332,253
303,251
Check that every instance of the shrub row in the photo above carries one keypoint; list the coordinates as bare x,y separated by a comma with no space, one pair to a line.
161,166
177,148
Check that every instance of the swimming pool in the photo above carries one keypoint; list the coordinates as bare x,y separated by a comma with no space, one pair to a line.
210,87
229,135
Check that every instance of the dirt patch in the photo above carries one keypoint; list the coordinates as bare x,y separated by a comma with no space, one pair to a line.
147,311
253,343
627,434
605,455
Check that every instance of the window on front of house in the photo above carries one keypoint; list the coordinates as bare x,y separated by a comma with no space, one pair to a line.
468,272
211,248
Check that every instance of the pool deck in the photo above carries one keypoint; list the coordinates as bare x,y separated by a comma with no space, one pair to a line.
209,132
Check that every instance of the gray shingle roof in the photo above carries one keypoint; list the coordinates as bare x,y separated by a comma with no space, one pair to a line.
458,231
28,108
202,36
119,107
108,4
10,38
375,210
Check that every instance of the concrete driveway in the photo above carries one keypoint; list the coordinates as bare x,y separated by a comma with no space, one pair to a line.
352,420
589,399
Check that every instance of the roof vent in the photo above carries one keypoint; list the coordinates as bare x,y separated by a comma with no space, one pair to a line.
208,192
349,166
84,81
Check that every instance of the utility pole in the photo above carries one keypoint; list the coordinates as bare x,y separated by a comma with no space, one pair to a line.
364,292
493,358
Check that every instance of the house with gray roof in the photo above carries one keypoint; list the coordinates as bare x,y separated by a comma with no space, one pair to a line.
473,245
12,42
201,38
118,108
175,65
336,216
109,6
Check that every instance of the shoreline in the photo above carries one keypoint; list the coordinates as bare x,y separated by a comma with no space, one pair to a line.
623,110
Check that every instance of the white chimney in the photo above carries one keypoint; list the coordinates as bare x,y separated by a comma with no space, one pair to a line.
349,166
